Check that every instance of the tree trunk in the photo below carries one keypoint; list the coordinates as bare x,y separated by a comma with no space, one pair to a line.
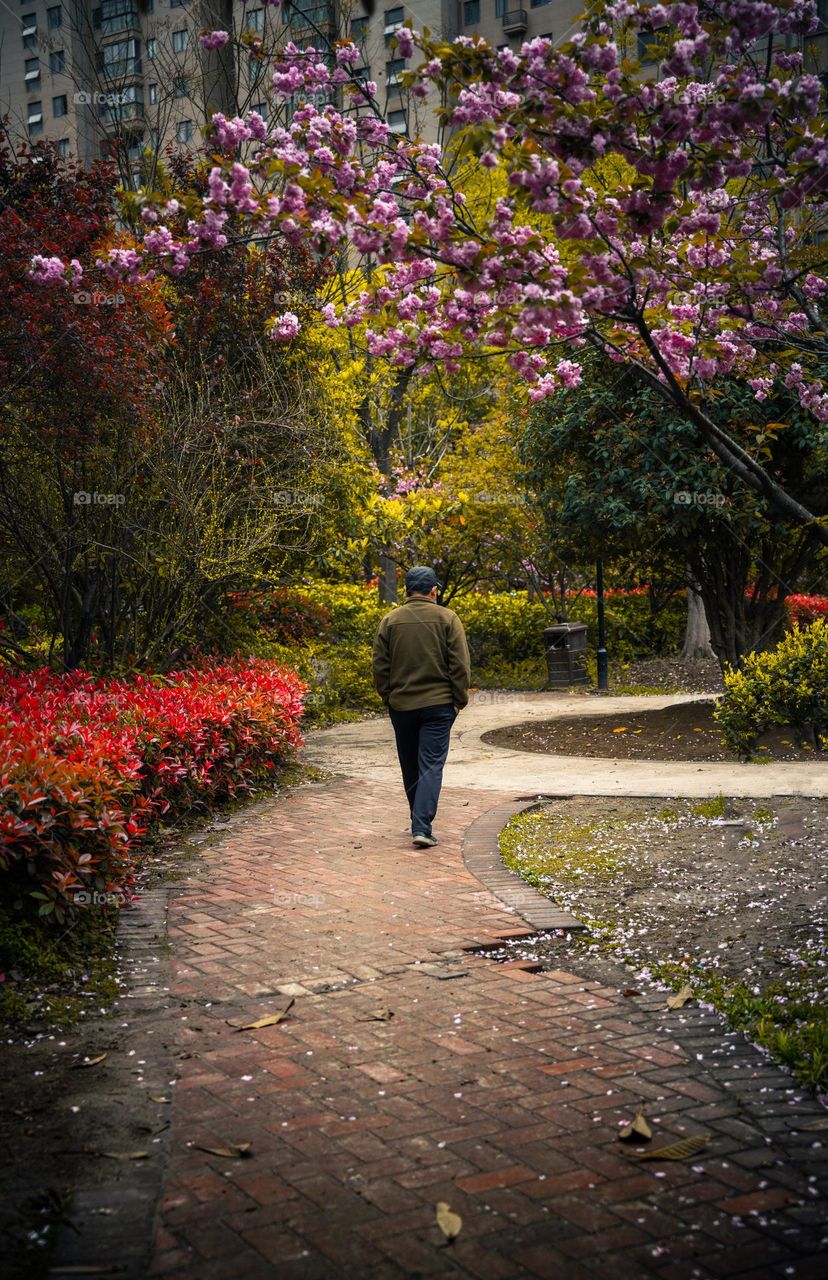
387,584
697,634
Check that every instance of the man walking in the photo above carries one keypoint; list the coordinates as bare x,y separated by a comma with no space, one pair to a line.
422,673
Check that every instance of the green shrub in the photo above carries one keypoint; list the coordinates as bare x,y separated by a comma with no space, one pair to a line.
787,685
354,610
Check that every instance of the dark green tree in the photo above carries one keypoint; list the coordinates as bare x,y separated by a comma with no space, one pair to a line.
620,475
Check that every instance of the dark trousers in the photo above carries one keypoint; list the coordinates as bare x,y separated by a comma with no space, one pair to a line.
422,746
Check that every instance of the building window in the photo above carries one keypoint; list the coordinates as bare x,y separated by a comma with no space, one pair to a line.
59,107
152,46
397,122
180,40
181,87
121,58
359,29
29,30
57,61
184,131
153,94
261,109
32,76
176,4
538,4
55,17
650,46
501,7
126,105
471,12
154,139
62,148
393,71
394,19
255,20
35,117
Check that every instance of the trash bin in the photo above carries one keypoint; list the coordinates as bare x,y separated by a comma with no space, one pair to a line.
566,649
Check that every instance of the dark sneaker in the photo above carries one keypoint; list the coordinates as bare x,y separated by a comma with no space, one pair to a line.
425,842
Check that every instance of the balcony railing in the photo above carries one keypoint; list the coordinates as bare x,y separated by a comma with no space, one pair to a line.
121,68
515,21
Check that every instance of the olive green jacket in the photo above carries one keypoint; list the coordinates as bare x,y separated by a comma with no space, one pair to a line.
421,658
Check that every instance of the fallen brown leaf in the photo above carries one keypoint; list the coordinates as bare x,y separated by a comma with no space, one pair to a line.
156,1097
679,1000
123,1155
270,1020
91,1062
449,1223
677,1150
237,1151
637,1128
381,1015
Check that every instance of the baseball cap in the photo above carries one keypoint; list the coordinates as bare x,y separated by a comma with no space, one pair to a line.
421,578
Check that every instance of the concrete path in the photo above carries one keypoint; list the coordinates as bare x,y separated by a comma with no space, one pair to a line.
413,1071
366,750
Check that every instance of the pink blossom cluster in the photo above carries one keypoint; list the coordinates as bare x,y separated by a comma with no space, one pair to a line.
214,39
680,263
285,327
54,270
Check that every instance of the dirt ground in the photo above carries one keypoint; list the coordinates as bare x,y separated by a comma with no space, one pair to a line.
672,675
684,732
741,895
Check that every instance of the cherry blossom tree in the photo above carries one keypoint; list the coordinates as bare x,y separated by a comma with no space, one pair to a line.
670,223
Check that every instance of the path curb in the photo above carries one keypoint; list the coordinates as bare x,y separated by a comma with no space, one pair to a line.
482,857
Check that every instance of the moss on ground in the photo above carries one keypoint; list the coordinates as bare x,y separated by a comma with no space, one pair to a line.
54,976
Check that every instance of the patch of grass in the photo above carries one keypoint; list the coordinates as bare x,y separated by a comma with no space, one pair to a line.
668,815
53,976
542,847
716,808
500,673
788,1017
764,815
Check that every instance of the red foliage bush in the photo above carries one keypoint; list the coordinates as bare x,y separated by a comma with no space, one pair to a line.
290,617
88,765
287,616
804,609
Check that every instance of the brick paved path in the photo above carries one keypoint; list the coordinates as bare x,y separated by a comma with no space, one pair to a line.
496,1089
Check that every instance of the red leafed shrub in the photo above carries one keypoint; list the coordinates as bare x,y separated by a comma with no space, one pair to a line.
88,765
805,609
287,616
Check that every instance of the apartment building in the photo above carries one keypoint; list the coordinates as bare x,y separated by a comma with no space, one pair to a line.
129,77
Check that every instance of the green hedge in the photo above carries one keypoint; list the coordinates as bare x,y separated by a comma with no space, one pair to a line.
504,629
787,685
509,626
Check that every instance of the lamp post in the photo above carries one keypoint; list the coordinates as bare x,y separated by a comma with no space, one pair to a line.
603,668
